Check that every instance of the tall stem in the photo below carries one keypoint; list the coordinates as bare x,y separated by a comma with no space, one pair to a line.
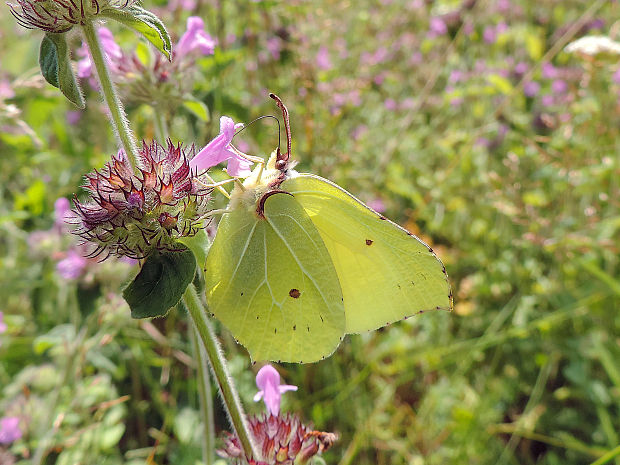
220,372
117,112
205,397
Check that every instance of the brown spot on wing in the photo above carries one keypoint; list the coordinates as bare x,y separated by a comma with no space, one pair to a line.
294,293
369,241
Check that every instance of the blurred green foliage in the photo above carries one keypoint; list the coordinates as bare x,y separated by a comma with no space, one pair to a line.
516,186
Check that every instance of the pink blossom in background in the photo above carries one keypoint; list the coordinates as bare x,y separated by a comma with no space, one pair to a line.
436,27
521,68
359,131
559,86
73,117
416,58
9,430
531,88
456,76
377,205
549,71
408,103
322,59
2,323
195,40
457,101
503,6
268,381
6,91
62,210
390,104
547,100
220,150
274,45
379,78
72,266
111,51
489,34
616,76
187,5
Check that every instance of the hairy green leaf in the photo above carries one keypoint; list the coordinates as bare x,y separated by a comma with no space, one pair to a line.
160,283
144,22
56,67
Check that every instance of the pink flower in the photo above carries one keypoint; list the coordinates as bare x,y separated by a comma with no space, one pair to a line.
616,76
2,323
62,210
195,39
437,27
322,59
268,381
531,88
111,50
489,34
9,430
377,205
72,265
219,150
6,90
390,104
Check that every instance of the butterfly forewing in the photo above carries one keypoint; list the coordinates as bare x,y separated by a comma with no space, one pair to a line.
385,273
271,282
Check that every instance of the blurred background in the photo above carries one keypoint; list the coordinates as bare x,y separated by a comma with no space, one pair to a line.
465,121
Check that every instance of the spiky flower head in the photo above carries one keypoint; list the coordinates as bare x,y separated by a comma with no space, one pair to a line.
132,215
60,15
281,439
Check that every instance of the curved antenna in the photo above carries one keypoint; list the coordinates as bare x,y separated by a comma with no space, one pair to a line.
245,126
282,160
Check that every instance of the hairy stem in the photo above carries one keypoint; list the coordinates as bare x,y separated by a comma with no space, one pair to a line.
220,372
205,398
117,112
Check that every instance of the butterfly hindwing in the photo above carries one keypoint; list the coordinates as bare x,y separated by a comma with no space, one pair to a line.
385,273
271,282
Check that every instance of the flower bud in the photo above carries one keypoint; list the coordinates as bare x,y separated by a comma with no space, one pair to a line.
60,15
132,215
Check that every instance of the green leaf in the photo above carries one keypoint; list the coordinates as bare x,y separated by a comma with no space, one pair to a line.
160,283
197,108
56,67
144,22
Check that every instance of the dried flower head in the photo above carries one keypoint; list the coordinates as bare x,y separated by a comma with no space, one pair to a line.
60,15
282,440
132,215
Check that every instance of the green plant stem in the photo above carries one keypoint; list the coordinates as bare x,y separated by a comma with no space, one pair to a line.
117,112
161,128
220,372
608,457
205,398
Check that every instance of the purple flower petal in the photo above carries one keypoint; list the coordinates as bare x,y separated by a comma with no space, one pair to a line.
219,150
268,381
195,39
72,266
2,323
9,430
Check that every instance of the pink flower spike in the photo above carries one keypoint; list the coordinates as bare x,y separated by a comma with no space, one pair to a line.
219,150
72,266
62,210
2,323
268,381
195,39
9,430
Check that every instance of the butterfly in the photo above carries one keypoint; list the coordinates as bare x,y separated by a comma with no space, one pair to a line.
298,262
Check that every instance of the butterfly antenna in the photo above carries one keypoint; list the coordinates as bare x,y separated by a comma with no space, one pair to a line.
245,126
282,160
